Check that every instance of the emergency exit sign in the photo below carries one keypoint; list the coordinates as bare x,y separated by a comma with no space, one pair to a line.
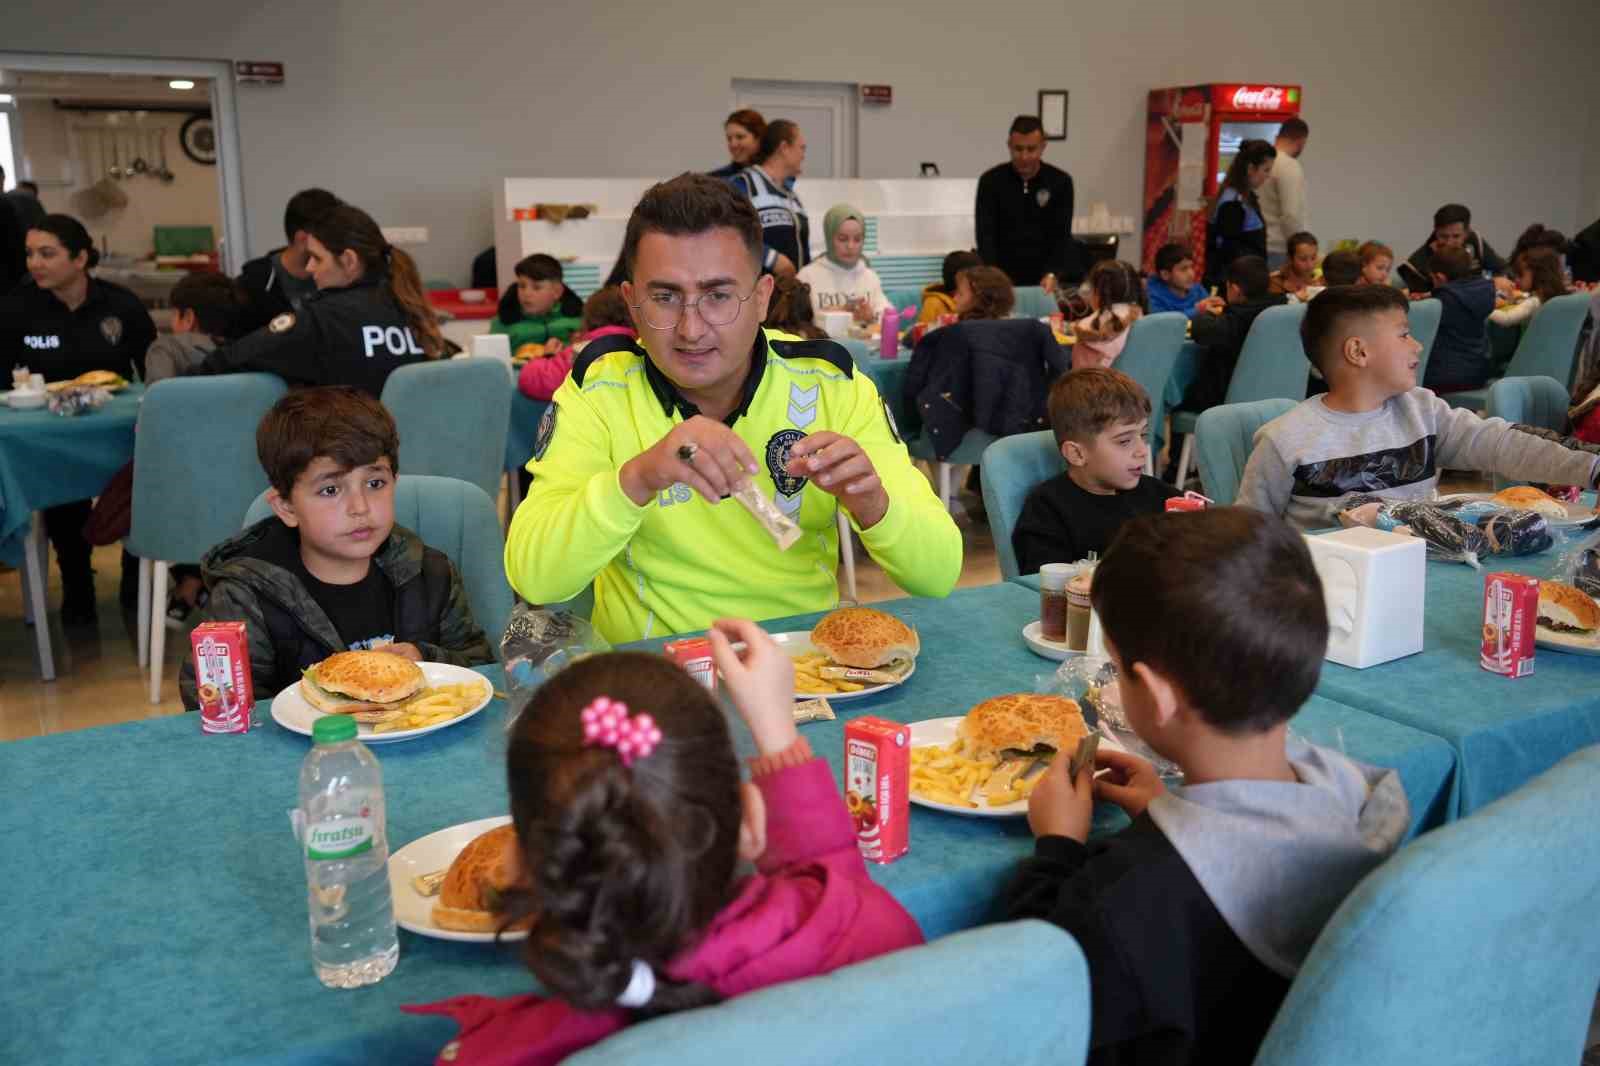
877,94
257,72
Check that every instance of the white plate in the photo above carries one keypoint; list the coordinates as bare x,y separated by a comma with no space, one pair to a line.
290,709
1033,635
1577,513
436,851
937,733
795,644
1574,643
25,400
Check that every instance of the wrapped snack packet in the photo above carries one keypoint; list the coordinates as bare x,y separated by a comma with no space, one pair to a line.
783,529
893,674
815,710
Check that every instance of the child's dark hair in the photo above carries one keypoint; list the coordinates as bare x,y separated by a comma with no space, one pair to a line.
1453,263
605,307
1084,402
622,863
348,228
304,207
538,267
217,301
1171,255
1244,627
954,264
1341,267
1548,280
687,205
1538,235
336,422
1250,273
1113,282
1371,250
1328,315
791,311
73,237
992,294
1297,239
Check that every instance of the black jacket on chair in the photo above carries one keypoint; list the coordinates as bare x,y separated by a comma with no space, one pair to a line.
988,375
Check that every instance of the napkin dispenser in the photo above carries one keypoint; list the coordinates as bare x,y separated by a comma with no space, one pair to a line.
1373,583
492,346
836,324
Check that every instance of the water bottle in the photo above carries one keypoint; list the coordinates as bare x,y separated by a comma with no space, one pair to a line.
353,939
889,341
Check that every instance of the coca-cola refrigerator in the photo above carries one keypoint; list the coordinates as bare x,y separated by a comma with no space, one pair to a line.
1191,135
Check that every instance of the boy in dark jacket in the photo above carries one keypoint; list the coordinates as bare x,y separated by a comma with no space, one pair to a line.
1196,917
1221,336
1460,358
331,571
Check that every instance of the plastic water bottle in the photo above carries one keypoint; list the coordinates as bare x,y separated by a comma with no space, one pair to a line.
889,341
353,939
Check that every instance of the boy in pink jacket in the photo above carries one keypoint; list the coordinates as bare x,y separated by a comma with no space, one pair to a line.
605,314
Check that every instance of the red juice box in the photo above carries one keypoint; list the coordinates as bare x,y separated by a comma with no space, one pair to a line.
1510,615
877,783
694,655
1189,501
222,676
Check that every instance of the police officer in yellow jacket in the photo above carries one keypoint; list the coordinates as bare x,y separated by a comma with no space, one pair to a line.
643,443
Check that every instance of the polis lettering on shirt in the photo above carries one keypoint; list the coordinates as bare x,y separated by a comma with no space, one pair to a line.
393,339
39,343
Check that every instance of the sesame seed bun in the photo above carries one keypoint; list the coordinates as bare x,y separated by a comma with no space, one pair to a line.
864,637
470,896
1023,721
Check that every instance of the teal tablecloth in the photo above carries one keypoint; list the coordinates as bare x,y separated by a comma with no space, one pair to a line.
161,915
525,416
46,459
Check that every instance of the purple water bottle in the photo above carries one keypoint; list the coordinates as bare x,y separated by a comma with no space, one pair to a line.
889,342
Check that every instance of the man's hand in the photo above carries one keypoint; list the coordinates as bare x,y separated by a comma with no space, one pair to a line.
1061,806
1131,784
721,462
838,466
1211,305
783,266
760,679
405,651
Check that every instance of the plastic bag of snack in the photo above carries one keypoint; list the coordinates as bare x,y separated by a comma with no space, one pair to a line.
1467,533
538,642
1579,565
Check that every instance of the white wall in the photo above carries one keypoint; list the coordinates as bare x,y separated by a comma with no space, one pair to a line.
412,109
74,146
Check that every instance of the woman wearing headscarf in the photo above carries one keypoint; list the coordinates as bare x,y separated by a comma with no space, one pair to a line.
841,280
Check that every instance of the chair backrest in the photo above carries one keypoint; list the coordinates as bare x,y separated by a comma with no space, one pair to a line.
1224,437
1424,319
1531,401
195,469
1273,363
1034,302
947,1003
459,519
1549,344
901,297
1012,466
1148,356
1475,944
453,416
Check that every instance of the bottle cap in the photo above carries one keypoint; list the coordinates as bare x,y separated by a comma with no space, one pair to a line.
332,728
1054,576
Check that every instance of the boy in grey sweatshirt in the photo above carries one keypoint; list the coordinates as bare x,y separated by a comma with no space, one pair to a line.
206,309
1196,917
1374,432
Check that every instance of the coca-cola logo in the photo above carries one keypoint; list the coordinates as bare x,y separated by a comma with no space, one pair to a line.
1258,98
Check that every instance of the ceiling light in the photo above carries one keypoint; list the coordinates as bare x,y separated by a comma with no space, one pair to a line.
180,83
5,98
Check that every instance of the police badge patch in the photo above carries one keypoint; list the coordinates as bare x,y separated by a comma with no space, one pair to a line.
111,329
547,430
778,461
1042,197
283,323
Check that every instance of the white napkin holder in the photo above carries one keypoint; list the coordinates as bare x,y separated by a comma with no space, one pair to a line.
492,345
1374,583
836,323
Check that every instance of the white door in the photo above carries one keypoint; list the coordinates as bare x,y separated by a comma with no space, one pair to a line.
824,111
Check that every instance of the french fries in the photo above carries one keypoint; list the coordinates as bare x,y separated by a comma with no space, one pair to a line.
947,775
808,679
440,703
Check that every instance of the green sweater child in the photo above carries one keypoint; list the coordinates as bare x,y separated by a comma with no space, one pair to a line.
539,307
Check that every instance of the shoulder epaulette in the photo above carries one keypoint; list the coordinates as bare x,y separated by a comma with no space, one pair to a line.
598,349
826,350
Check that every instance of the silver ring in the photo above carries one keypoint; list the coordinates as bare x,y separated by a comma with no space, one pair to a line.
686,452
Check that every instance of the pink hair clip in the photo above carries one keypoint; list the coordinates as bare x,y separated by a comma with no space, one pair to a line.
606,724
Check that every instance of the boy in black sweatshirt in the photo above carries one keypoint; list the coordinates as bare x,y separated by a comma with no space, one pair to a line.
1460,358
1221,336
1196,917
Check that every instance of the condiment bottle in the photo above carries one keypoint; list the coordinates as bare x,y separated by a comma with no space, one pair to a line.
1053,578
1078,610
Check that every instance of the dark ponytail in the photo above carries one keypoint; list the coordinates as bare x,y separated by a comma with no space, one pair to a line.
1251,153
73,237
624,863
778,133
346,227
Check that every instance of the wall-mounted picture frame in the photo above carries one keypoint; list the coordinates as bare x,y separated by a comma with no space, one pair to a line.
1053,113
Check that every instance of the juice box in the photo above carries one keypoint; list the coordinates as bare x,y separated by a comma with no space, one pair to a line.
222,676
694,655
1510,615
877,776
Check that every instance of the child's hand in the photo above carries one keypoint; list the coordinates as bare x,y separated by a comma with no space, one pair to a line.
405,651
1131,784
1060,806
1211,305
760,680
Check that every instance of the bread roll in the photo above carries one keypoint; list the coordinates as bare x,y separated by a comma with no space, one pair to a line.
1566,609
1528,498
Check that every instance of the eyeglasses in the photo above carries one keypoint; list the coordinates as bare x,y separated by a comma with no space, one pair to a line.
664,310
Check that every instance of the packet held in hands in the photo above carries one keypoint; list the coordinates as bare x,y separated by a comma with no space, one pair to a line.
783,529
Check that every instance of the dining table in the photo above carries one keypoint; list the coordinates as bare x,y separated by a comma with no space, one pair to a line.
48,459
156,908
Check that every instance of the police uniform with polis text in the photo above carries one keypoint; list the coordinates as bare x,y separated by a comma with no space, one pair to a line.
679,562
356,335
110,330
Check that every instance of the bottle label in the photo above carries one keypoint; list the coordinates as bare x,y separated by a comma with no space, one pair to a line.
341,838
